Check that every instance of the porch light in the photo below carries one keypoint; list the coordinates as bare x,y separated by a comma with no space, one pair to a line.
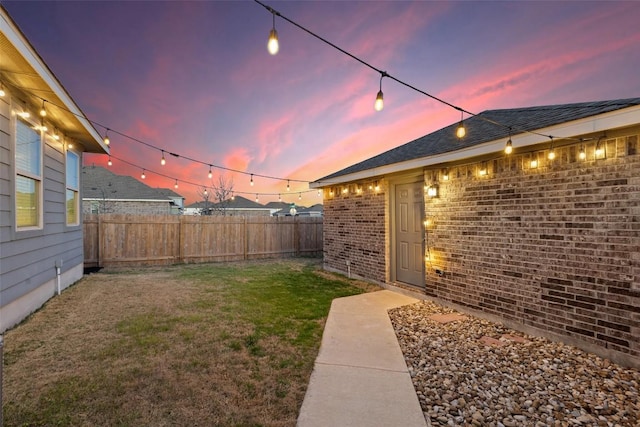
432,191
534,163
483,169
377,187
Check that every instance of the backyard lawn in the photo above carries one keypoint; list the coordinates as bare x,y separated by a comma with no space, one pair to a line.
216,344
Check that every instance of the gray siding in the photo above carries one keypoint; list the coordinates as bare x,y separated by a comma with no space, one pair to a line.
28,258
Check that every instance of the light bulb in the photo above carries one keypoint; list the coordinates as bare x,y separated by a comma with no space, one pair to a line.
551,155
319,193
534,163
109,162
176,184
251,180
288,187
107,141
272,45
299,196
143,176
163,161
508,149
582,155
233,196
257,200
43,112
461,131
379,104
2,92
279,198
205,191
209,175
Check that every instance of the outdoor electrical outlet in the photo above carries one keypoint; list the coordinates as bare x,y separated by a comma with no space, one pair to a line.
348,262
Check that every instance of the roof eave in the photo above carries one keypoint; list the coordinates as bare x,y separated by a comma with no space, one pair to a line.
91,139
607,121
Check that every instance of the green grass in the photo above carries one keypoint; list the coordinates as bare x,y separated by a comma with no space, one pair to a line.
212,344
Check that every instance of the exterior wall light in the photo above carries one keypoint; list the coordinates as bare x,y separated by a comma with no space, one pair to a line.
432,191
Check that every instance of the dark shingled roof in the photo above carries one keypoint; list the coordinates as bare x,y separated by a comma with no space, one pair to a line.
101,183
480,131
238,202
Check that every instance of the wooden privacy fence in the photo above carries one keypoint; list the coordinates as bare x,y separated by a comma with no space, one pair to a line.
117,240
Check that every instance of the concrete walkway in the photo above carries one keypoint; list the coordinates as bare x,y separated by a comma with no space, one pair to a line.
360,377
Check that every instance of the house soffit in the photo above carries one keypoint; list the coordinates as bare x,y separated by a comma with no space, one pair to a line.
29,79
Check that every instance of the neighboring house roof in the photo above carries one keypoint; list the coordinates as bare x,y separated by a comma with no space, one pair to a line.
168,193
480,130
100,183
278,205
238,202
319,207
22,67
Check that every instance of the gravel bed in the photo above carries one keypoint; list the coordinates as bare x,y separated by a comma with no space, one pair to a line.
516,380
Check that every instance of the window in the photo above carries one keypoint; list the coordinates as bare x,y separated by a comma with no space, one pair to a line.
73,185
28,176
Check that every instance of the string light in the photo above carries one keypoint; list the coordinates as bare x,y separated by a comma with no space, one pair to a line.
319,194
582,155
176,185
205,192
461,131
233,196
257,199
379,104
143,176
209,175
251,182
483,169
288,187
279,198
43,111
445,175
272,45
508,149
162,160
107,141
109,162
56,135
24,114
2,92
299,196
552,153
599,152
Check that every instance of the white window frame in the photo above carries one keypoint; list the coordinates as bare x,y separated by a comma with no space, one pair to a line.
69,187
38,178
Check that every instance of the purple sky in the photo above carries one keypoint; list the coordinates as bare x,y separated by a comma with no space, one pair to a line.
195,78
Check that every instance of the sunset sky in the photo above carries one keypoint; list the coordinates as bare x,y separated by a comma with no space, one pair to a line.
195,78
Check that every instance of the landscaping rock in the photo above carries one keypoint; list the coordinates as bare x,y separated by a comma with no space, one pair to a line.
464,378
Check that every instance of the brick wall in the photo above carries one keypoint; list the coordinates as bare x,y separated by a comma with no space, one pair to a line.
126,207
355,224
554,247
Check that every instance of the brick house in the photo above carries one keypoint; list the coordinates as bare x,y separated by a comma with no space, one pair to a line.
549,246
104,192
